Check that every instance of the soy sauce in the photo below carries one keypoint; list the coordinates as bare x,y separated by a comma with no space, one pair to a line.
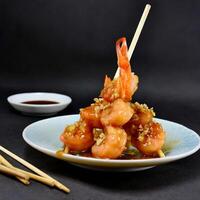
40,102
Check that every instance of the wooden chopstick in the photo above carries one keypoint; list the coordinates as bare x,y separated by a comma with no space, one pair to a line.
41,179
137,34
31,175
7,164
13,172
35,169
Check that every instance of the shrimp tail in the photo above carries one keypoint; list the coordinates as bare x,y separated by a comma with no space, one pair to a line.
125,69
107,81
122,54
126,84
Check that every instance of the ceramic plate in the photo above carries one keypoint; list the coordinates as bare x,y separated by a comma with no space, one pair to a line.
44,136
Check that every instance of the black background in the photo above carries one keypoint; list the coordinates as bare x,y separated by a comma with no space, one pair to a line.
68,46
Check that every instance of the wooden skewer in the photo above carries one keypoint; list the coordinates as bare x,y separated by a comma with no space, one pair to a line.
35,169
137,34
134,43
7,164
161,154
31,175
13,172
138,30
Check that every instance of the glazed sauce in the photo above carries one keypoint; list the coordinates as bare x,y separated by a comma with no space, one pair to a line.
170,145
40,102
129,155
133,157
88,154
59,153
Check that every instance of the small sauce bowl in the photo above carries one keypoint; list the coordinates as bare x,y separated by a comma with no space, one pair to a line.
39,103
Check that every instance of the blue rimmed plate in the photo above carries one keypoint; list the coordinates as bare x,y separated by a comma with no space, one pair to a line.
44,136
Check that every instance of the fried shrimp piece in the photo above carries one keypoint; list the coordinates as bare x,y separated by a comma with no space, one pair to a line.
117,114
142,114
113,144
132,132
150,139
126,84
78,136
92,113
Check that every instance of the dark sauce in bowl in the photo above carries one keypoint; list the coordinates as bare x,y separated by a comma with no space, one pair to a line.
40,102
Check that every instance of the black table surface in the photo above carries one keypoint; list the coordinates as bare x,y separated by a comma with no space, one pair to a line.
67,47
177,180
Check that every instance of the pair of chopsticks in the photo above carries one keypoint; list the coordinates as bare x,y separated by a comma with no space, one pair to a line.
24,176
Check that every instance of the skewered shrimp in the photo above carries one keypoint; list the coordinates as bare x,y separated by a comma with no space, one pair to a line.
110,124
113,144
117,114
145,134
150,138
92,113
125,85
142,114
78,136
91,116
